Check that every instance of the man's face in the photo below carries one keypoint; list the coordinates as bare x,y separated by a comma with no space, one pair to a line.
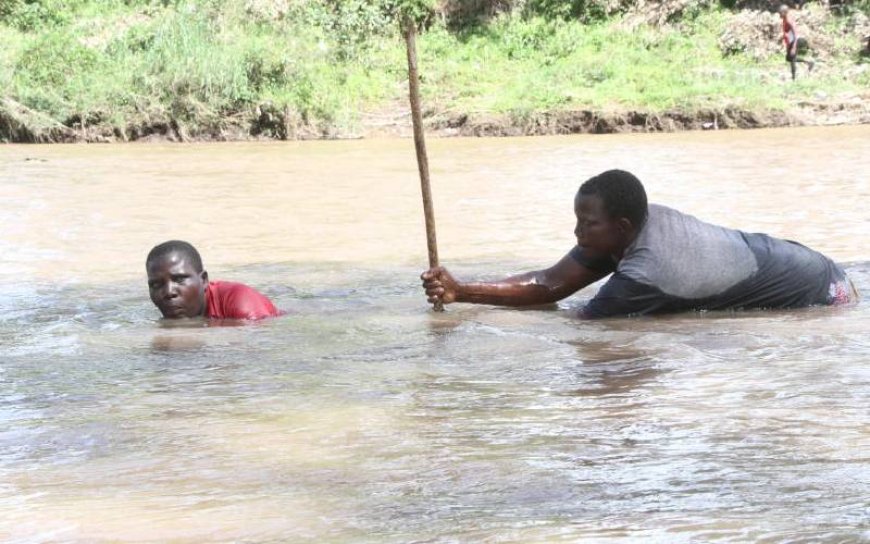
596,232
176,288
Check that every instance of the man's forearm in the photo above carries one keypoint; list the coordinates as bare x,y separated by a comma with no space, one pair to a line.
524,290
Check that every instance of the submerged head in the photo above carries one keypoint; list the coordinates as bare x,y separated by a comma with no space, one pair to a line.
176,279
611,208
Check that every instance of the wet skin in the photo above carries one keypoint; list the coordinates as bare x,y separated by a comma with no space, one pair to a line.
596,232
176,287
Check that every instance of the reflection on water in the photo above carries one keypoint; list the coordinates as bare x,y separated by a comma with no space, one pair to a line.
361,415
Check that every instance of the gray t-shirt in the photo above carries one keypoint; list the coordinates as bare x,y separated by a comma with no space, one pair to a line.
678,263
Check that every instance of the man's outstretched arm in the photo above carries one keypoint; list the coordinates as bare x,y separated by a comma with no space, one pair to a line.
532,288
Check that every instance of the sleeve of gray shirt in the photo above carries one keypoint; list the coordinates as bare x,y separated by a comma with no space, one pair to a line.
623,296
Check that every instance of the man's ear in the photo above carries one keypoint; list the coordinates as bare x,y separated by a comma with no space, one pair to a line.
624,225
204,276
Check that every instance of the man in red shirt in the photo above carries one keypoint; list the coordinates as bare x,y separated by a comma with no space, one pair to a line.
793,44
179,287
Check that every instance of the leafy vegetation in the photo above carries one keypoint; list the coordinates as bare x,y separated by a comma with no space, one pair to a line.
313,67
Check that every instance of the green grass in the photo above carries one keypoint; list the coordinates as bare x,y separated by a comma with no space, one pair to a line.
203,62
538,65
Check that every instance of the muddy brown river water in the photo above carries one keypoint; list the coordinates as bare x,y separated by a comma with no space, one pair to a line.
363,416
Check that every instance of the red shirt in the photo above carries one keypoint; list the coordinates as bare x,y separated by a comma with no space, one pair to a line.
231,300
789,34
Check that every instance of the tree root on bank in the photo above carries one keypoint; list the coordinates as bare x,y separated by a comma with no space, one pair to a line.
18,123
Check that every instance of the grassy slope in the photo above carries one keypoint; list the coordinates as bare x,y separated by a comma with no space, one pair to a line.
209,67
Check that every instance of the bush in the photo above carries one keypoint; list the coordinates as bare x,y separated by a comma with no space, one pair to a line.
585,10
33,14
41,59
355,22
469,13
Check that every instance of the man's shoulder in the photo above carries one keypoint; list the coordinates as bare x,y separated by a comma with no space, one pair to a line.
223,286
234,291
659,207
664,220
657,231
661,218
660,210
237,300
687,257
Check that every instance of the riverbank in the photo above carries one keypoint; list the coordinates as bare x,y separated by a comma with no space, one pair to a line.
207,71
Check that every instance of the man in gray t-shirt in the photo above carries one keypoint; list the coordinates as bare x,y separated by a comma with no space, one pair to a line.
661,260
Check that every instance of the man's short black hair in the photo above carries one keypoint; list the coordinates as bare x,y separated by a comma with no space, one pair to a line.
176,246
621,193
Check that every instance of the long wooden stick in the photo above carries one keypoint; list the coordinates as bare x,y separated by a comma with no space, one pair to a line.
410,32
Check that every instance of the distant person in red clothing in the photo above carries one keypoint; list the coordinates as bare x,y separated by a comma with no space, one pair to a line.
793,44
179,287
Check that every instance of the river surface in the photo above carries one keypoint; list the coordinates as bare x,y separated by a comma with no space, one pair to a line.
363,416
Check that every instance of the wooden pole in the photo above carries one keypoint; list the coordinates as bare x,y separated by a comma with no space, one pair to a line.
410,32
